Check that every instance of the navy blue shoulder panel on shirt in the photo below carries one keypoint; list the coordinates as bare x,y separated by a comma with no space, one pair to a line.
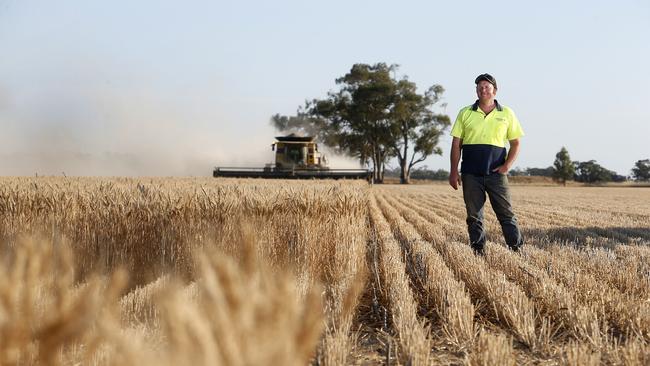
482,159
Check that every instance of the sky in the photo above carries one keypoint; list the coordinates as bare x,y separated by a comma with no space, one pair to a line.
174,88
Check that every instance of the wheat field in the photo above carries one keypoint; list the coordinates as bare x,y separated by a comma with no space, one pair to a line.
197,271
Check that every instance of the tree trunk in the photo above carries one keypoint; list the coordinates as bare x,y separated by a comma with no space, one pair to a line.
378,166
403,163
404,176
375,177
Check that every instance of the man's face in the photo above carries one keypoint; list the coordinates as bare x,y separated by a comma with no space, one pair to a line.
485,90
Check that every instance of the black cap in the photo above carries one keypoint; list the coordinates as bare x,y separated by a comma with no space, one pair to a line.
487,77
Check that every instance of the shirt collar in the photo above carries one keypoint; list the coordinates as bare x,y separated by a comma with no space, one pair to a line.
496,103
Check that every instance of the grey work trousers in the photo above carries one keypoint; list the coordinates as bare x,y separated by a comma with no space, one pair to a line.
495,185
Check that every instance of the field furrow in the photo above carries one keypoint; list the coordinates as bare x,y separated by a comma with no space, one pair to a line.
549,227
598,297
627,315
507,304
624,274
551,299
439,287
450,228
412,335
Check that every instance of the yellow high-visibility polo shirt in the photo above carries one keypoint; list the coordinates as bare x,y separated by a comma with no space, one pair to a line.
485,136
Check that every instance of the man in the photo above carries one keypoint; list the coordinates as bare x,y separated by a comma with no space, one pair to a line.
481,131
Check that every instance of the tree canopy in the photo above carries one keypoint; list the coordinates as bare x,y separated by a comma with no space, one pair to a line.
592,172
414,123
563,168
641,170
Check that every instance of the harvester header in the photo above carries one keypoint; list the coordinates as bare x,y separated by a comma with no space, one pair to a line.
296,157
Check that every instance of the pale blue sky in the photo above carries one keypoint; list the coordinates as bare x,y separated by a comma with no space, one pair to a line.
174,88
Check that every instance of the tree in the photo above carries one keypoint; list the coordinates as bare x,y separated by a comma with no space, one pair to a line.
563,168
641,170
358,114
592,172
414,123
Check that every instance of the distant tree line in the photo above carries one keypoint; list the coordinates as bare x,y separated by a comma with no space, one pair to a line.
422,173
374,117
539,172
564,169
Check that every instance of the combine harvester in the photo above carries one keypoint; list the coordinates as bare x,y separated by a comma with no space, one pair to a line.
296,157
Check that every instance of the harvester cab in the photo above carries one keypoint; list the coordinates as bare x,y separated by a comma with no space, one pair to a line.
293,152
296,157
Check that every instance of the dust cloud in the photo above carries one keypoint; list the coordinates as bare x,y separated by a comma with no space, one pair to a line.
338,161
109,131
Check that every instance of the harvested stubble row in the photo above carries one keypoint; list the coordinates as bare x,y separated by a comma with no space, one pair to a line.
444,222
601,334
623,273
626,314
507,304
449,296
640,254
545,238
432,276
412,335
552,299
555,222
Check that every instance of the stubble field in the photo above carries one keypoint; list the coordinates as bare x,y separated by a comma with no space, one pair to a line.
251,272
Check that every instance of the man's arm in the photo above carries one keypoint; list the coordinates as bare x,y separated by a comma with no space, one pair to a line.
512,156
454,177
